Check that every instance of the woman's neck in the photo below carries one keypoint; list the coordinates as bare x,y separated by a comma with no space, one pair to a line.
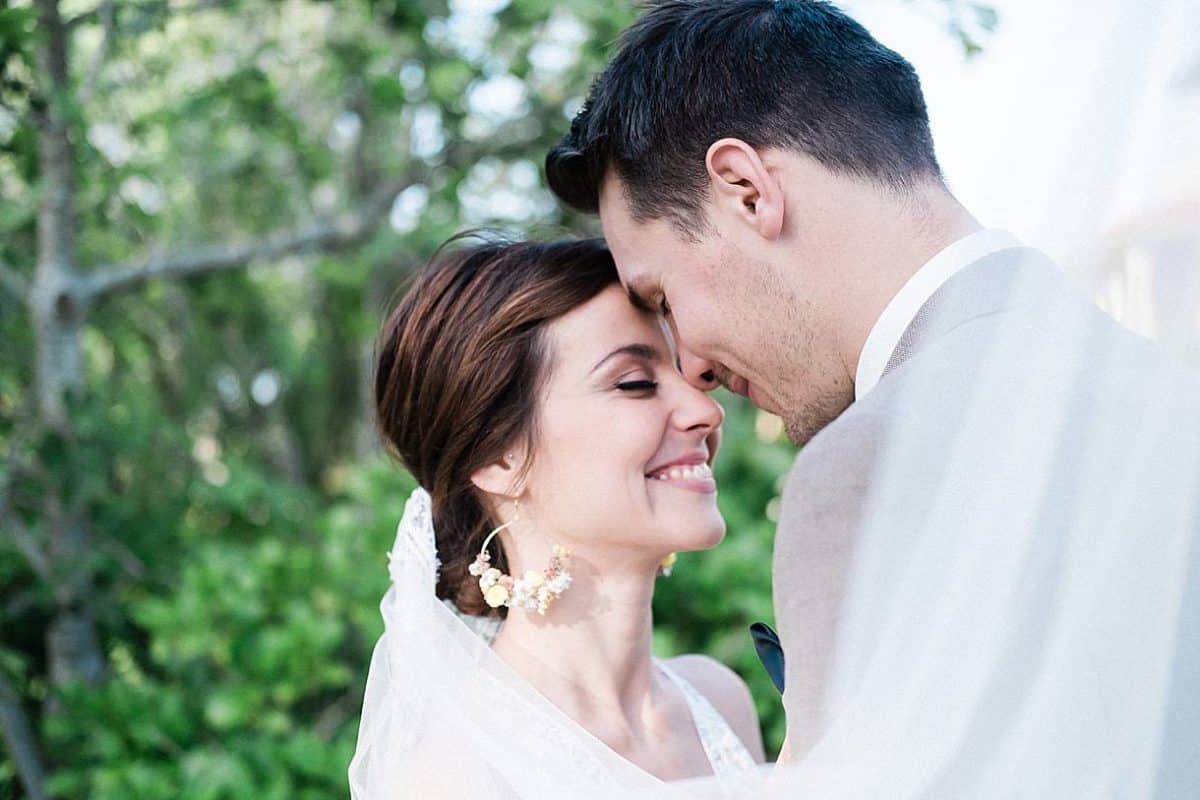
591,652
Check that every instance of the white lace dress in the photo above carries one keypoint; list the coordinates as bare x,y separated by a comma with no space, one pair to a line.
725,750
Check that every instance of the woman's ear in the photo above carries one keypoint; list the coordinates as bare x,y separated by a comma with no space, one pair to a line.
502,476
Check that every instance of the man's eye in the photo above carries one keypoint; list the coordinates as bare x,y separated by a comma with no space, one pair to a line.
637,386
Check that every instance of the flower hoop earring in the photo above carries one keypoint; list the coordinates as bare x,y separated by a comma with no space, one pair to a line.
534,591
666,565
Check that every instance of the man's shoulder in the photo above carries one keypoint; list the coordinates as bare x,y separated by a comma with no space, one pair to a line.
833,471
850,441
825,490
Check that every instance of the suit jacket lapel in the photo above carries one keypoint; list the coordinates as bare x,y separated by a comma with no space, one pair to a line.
1004,280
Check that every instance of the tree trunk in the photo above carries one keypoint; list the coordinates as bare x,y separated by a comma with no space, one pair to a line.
22,746
72,646
59,298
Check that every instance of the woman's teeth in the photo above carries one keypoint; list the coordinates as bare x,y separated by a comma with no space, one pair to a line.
694,472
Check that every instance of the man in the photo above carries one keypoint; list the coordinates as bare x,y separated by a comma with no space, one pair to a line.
766,178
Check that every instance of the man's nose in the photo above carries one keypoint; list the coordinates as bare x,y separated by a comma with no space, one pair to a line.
699,372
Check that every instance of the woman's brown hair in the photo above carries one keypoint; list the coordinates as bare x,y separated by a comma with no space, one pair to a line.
459,366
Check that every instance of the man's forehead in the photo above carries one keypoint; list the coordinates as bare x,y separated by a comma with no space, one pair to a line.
620,234
633,244
612,193
631,267
616,214
627,234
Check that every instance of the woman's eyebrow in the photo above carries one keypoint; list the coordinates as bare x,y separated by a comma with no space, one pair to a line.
642,351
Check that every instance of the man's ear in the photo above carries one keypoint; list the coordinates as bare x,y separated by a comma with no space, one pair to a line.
744,186
501,477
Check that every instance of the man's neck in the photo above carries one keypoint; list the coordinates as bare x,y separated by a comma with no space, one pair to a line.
920,228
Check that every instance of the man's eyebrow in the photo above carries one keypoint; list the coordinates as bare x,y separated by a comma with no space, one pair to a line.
634,291
643,351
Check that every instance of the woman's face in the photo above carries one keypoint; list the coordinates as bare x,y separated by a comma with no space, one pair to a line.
622,465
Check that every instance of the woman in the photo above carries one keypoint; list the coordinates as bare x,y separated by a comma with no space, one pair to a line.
566,460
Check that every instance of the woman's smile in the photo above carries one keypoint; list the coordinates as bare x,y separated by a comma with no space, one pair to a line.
692,473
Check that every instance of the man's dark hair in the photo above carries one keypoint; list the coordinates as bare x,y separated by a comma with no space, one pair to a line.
795,74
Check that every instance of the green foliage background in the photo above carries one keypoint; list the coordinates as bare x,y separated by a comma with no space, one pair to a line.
233,506
236,545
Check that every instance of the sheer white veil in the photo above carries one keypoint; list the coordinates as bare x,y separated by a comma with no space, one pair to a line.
1023,612
1022,618
1023,615
444,717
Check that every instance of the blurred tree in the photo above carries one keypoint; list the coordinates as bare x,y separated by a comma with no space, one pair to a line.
158,419
205,206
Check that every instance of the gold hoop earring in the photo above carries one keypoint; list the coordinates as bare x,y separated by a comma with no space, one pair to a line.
534,591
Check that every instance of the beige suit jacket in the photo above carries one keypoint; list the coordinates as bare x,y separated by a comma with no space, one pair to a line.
828,488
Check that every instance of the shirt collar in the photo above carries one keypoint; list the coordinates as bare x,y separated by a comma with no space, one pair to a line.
903,308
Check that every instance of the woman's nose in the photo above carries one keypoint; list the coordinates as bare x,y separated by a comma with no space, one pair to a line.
697,410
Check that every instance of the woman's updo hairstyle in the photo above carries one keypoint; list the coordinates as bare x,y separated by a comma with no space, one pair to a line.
460,363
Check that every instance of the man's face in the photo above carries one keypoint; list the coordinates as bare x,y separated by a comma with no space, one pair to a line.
688,281
736,321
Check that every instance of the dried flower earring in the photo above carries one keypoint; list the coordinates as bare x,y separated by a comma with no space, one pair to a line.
534,591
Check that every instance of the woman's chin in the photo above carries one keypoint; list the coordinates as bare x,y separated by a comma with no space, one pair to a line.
703,535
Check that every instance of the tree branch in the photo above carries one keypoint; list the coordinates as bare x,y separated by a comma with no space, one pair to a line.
14,282
25,541
328,235
18,738
130,562
147,7
108,20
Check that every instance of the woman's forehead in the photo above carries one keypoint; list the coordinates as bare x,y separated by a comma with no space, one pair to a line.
605,323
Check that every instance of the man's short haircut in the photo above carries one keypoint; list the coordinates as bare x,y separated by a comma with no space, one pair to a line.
795,74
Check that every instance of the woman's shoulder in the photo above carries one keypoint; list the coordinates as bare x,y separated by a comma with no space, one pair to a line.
728,694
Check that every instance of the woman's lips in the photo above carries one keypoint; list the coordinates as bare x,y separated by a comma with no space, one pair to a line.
693,477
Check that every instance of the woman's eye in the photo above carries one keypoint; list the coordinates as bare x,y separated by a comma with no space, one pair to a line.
637,386
665,306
